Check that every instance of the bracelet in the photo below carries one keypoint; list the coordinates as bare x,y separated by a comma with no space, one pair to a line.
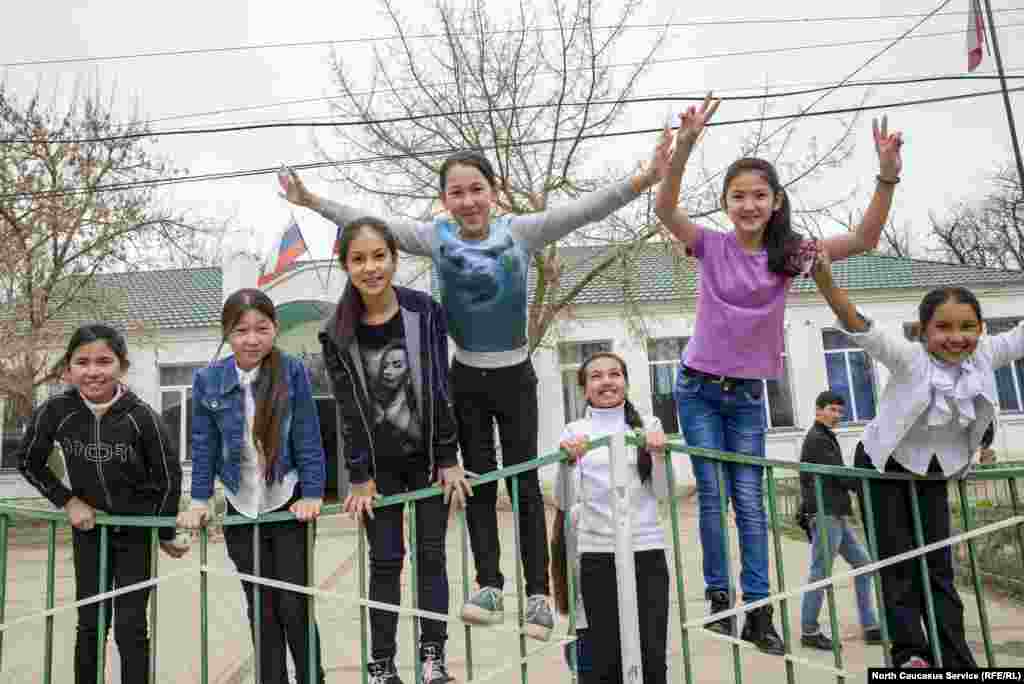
887,181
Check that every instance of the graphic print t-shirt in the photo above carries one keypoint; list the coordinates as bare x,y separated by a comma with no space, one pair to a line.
395,417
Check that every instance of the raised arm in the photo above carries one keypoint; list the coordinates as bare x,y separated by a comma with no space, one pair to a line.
868,232
672,162
414,237
836,297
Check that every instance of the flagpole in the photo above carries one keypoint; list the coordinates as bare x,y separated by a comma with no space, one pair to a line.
1006,94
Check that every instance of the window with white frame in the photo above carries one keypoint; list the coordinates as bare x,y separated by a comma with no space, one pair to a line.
1009,379
571,356
176,404
851,374
663,356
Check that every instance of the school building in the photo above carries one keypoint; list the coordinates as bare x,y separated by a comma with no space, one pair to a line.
643,308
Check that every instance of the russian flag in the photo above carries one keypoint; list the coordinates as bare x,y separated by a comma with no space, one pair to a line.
291,247
975,35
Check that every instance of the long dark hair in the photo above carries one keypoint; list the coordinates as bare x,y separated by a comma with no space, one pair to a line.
468,158
271,389
644,462
780,240
347,234
95,332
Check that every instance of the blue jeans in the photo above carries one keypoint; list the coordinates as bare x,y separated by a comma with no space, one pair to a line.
732,421
841,539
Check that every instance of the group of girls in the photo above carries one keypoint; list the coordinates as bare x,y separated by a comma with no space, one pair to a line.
405,416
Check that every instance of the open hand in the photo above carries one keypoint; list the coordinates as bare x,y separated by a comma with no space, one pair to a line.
360,500
890,161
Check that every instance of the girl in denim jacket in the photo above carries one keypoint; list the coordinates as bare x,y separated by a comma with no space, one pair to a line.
255,426
939,402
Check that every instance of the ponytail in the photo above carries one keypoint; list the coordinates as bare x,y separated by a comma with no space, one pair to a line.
559,564
644,461
271,397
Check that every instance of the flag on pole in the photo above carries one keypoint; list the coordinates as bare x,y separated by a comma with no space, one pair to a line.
290,247
975,35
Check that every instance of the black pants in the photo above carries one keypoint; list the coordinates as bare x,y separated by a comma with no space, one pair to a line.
384,533
128,562
509,396
284,616
902,586
597,581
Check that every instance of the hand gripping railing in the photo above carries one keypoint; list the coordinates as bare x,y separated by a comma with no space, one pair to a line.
631,657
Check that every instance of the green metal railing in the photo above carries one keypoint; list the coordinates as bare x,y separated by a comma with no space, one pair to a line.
1008,472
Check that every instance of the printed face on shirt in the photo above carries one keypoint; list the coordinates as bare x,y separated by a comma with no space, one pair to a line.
468,197
252,338
606,383
393,368
96,371
370,264
749,203
952,333
830,415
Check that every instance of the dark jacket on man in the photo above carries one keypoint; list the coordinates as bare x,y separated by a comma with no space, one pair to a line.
426,337
821,447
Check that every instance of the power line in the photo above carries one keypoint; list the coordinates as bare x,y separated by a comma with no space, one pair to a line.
662,98
445,151
376,39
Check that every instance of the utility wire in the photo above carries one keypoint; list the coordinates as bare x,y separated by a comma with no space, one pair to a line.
376,39
445,151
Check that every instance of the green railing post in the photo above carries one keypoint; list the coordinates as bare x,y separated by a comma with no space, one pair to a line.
364,647
3,579
51,562
868,514
779,573
929,601
204,613
723,519
677,555
101,622
1019,529
825,547
414,586
463,532
979,591
257,603
519,578
311,635
154,554
570,589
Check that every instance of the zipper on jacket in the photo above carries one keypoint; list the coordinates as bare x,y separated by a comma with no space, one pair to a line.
99,466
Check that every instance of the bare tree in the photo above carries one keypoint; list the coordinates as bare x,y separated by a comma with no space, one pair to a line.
537,93
988,233
69,210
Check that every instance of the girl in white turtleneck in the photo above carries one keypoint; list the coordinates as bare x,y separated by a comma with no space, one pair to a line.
583,490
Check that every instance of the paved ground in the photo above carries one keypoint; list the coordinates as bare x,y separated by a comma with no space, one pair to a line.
495,650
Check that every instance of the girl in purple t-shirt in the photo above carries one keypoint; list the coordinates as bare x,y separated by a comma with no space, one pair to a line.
738,342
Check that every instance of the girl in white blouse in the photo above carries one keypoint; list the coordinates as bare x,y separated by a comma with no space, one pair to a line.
939,401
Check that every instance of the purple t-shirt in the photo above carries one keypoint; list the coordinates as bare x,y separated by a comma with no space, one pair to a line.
740,310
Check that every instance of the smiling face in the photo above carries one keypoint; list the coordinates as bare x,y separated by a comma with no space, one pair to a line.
96,371
252,338
605,383
749,203
469,198
370,263
953,331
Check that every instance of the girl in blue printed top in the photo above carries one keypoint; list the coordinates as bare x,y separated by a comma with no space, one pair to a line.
933,416
255,426
482,262
386,353
120,459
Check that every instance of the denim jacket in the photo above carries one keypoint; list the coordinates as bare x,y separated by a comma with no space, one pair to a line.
218,429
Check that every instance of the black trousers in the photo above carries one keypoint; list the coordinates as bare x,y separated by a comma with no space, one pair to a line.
128,562
384,534
902,585
597,581
284,621
507,396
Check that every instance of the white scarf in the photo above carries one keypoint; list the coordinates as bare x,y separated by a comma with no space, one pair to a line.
954,387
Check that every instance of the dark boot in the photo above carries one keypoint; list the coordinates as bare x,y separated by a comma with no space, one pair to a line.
719,602
759,630
383,671
433,666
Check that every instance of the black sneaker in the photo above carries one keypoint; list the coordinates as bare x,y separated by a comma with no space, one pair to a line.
873,636
719,602
759,630
433,668
383,671
816,640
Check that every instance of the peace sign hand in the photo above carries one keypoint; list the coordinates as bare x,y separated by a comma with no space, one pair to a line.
890,161
693,120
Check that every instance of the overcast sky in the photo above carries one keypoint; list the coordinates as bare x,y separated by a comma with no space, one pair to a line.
950,147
